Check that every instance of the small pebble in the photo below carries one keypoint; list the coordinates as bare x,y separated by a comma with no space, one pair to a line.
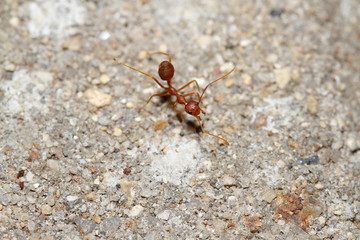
73,44
350,235
338,212
10,67
163,48
104,79
164,215
319,186
29,176
260,120
321,221
142,55
159,125
31,226
127,171
14,21
229,181
117,132
269,195
136,211
95,118
130,105
94,170
293,144
281,164
281,222
351,143
91,196
204,41
46,210
71,198
97,219
312,105
54,165
283,77
1,207
105,35
228,130
229,83
246,79
272,58
97,98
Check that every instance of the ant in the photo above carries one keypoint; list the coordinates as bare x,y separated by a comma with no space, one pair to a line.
166,72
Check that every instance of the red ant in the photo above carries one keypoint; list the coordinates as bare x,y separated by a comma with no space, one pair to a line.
166,73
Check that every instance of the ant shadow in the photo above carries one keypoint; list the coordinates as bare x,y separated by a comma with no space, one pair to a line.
190,125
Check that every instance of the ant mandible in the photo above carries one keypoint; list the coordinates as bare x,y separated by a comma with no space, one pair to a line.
166,73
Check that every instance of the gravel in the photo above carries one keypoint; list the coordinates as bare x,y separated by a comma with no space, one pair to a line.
78,160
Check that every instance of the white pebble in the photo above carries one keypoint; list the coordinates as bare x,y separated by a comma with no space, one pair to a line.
229,181
97,98
53,165
46,210
29,177
104,79
117,132
135,211
71,198
130,105
10,67
164,215
283,77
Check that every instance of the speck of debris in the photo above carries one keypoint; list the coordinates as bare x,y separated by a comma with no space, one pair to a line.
127,171
159,125
312,160
277,12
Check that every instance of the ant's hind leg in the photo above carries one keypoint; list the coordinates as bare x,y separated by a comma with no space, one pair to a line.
155,95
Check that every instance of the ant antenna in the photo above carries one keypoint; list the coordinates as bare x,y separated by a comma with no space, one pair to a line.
146,74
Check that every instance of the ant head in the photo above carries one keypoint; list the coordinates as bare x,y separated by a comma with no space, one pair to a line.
166,70
192,108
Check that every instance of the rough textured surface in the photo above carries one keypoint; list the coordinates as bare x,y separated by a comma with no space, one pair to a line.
94,167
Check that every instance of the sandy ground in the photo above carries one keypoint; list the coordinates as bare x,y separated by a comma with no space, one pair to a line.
79,161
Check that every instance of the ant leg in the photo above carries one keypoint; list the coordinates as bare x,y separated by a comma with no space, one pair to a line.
162,54
202,128
215,82
173,107
155,95
193,81
146,74
189,94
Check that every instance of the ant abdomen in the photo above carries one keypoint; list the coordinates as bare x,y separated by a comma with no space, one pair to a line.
166,70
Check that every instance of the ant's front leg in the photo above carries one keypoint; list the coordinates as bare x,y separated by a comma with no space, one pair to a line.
173,107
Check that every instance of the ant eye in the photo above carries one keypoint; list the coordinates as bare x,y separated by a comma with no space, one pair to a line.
189,112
